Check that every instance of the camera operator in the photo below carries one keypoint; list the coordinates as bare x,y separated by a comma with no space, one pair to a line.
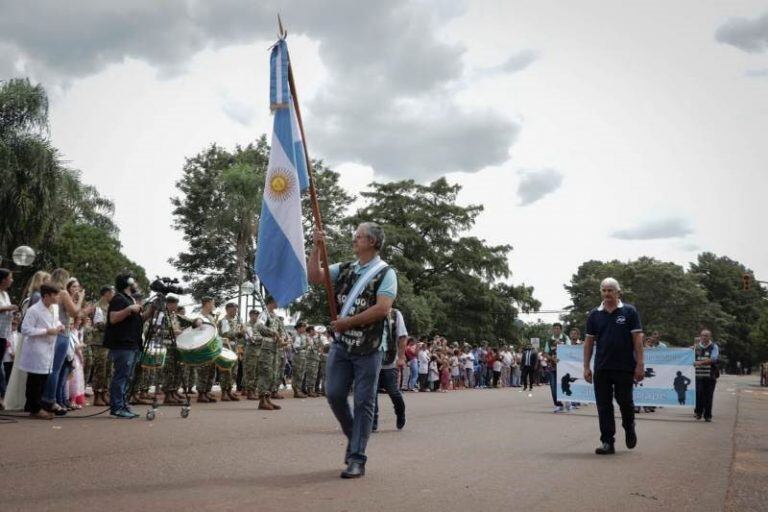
125,319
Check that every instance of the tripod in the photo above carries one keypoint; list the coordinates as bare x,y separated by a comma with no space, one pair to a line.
152,335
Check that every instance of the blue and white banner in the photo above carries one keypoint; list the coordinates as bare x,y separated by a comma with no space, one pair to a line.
280,258
669,377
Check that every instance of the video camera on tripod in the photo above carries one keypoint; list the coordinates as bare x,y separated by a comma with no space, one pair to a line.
166,285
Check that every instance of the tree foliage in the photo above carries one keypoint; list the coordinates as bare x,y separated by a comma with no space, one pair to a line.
668,298
48,201
218,211
93,256
449,283
721,278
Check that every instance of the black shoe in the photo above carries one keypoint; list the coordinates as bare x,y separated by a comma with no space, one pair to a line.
400,422
630,437
698,416
354,470
708,420
605,449
374,429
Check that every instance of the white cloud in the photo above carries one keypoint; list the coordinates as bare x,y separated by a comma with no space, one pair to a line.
385,103
757,73
669,227
534,185
240,111
749,35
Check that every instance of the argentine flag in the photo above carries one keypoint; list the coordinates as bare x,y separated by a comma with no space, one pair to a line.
280,259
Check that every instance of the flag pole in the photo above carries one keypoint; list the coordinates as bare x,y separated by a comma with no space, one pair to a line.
330,295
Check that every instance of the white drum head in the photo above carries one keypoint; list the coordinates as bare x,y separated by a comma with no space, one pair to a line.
193,338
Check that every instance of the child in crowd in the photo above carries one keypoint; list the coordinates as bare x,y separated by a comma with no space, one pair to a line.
434,375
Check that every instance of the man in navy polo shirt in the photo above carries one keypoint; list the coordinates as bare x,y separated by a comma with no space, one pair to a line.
614,327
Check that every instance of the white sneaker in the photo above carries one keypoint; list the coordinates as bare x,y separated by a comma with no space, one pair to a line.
558,409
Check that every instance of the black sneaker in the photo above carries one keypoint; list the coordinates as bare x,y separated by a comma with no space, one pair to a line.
605,449
630,437
400,422
708,420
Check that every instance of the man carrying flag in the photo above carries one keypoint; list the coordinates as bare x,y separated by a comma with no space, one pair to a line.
280,262
365,291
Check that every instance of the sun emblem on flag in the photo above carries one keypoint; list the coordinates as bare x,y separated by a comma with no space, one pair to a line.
280,184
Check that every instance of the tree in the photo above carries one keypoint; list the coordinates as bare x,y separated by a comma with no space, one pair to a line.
333,201
50,201
449,283
29,167
721,277
669,299
218,212
92,255
759,338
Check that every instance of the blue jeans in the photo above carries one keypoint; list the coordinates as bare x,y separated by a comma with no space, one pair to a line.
341,372
56,385
124,361
413,382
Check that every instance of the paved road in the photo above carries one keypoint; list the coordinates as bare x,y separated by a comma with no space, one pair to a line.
467,450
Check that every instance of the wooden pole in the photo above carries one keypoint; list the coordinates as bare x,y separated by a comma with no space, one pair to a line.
330,295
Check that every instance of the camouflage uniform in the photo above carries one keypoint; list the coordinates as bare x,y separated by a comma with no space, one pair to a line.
314,346
268,335
102,365
236,338
280,355
321,369
206,372
251,362
299,362
172,371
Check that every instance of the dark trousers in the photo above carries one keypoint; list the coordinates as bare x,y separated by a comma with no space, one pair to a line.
423,383
553,387
347,372
705,392
496,378
527,376
35,385
4,376
388,380
610,384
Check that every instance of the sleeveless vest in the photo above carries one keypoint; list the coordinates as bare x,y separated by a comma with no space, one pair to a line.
706,371
364,339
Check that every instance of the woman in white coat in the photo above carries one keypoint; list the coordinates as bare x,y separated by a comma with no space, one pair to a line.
15,396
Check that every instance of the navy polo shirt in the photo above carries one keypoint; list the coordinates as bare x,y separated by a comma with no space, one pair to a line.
613,336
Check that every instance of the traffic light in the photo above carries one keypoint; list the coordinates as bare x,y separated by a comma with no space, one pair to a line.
746,281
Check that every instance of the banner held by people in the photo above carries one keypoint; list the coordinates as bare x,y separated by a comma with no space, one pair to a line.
280,260
669,377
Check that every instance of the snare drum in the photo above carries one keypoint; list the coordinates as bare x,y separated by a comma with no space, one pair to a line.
226,360
198,346
154,358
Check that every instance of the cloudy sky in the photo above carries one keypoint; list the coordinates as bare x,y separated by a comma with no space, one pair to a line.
589,130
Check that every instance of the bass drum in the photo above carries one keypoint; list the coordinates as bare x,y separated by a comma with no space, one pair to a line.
199,345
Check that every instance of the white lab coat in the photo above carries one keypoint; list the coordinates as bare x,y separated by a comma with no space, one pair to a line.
37,356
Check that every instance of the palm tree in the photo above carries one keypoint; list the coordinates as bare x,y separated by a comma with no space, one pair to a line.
29,166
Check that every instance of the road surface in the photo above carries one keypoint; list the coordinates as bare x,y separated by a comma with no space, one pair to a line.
466,450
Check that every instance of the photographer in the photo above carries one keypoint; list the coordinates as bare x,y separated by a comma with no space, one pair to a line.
122,336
